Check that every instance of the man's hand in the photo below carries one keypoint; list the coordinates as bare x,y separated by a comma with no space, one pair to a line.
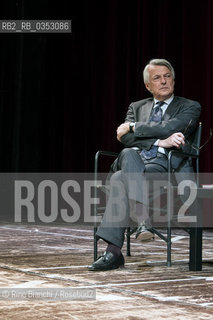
122,130
175,140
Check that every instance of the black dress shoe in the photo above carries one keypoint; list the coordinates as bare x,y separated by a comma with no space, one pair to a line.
107,262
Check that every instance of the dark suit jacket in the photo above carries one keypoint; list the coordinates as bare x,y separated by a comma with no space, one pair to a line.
182,115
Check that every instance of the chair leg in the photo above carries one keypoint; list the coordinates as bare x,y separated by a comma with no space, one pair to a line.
195,260
169,243
95,244
128,242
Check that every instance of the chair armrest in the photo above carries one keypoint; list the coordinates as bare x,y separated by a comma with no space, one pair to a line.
181,154
97,155
105,153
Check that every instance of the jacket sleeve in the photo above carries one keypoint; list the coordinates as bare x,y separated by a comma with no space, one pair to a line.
129,140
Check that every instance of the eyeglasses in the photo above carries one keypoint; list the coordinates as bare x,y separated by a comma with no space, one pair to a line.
203,145
192,145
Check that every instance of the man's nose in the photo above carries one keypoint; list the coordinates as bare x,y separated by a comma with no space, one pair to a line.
163,79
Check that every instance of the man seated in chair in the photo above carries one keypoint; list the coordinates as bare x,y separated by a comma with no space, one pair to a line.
154,125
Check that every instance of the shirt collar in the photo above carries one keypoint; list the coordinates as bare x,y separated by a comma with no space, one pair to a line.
167,101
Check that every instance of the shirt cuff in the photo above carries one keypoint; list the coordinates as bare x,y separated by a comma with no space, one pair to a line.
156,142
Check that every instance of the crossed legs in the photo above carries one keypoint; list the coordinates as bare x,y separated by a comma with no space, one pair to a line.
127,189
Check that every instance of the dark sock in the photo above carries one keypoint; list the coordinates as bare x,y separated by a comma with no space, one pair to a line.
113,249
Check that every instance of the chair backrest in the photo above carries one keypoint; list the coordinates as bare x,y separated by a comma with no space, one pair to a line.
195,148
192,149
197,140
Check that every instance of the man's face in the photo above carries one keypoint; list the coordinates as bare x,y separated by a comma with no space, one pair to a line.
161,82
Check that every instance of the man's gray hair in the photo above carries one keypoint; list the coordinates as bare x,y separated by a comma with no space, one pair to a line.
157,62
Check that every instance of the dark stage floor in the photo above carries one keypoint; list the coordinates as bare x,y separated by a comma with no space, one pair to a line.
57,257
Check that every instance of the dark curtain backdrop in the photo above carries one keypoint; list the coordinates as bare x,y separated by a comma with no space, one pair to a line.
62,96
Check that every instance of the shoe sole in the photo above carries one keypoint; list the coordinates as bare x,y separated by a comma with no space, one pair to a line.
145,236
113,268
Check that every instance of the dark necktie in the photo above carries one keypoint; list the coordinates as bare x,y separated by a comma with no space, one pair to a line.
155,116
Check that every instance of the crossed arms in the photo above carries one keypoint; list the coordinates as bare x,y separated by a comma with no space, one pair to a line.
177,139
171,132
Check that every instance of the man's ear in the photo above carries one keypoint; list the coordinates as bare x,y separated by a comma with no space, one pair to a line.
147,86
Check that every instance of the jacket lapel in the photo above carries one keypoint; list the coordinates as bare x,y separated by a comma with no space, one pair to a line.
172,108
146,110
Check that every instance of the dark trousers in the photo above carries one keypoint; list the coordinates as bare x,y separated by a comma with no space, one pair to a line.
127,186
